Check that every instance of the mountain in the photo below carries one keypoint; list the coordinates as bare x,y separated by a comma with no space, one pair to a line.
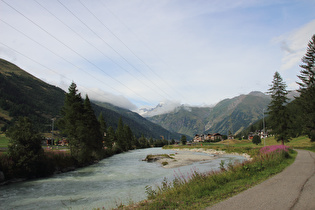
134,120
183,119
161,108
22,94
237,113
228,115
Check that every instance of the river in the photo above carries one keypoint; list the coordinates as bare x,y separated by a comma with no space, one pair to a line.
120,179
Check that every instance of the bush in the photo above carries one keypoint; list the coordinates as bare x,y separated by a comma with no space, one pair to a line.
256,140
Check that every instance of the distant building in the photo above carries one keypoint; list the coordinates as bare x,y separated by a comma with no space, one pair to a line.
207,137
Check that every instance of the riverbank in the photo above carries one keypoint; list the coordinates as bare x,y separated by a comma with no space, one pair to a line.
183,157
201,190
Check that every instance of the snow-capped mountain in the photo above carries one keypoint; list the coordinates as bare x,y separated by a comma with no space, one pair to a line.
161,108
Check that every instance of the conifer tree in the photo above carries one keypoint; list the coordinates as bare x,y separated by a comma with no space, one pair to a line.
103,129
307,89
80,125
128,137
279,119
111,138
72,120
93,136
120,135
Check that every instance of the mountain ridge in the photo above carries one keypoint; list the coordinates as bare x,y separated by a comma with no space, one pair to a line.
229,115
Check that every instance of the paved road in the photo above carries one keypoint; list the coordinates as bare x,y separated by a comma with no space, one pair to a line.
294,188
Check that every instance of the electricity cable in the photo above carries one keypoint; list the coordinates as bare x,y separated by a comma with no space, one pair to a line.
110,45
71,49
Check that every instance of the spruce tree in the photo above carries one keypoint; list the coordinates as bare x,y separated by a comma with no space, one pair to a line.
71,122
103,129
307,89
93,136
120,135
128,137
111,137
79,124
277,110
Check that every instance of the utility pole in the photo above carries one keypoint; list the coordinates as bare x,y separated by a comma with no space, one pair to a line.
52,130
264,127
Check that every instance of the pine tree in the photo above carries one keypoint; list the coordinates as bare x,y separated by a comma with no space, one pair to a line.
72,120
103,129
120,135
307,89
93,136
277,110
128,137
111,137
80,125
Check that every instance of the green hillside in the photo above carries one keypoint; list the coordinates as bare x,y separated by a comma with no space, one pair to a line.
237,113
22,94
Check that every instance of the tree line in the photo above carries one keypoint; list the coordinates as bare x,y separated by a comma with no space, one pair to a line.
88,137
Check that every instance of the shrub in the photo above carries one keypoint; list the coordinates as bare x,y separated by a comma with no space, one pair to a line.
256,140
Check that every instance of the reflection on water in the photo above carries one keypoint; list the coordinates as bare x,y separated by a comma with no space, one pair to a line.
115,180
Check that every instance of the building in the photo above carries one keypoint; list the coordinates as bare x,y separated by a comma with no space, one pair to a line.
207,137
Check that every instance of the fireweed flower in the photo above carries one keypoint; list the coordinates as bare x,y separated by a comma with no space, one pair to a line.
274,148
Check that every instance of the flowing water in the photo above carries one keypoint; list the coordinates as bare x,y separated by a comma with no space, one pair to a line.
120,179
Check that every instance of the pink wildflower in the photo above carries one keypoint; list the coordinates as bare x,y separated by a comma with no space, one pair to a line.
274,148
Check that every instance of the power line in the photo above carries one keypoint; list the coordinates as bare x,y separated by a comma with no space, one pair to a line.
88,90
72,49
57,55
133,52
91,44
109,44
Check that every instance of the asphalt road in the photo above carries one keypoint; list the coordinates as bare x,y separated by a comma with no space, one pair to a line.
294,188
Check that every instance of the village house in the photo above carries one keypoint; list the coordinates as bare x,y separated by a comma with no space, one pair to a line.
259,133
207,137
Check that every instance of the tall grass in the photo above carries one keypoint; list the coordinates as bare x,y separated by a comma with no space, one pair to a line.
199,190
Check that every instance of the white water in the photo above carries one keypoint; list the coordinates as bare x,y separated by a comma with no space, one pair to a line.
115,180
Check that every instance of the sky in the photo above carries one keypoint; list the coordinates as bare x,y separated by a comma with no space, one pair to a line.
138,53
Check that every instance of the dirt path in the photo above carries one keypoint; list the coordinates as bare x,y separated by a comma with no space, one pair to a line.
294,188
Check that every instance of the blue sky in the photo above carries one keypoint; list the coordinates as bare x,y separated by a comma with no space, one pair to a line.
138,53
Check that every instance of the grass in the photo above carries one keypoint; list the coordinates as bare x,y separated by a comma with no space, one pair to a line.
301,142
203,190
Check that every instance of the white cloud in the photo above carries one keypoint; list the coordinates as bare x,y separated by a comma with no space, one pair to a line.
103,96
294,45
